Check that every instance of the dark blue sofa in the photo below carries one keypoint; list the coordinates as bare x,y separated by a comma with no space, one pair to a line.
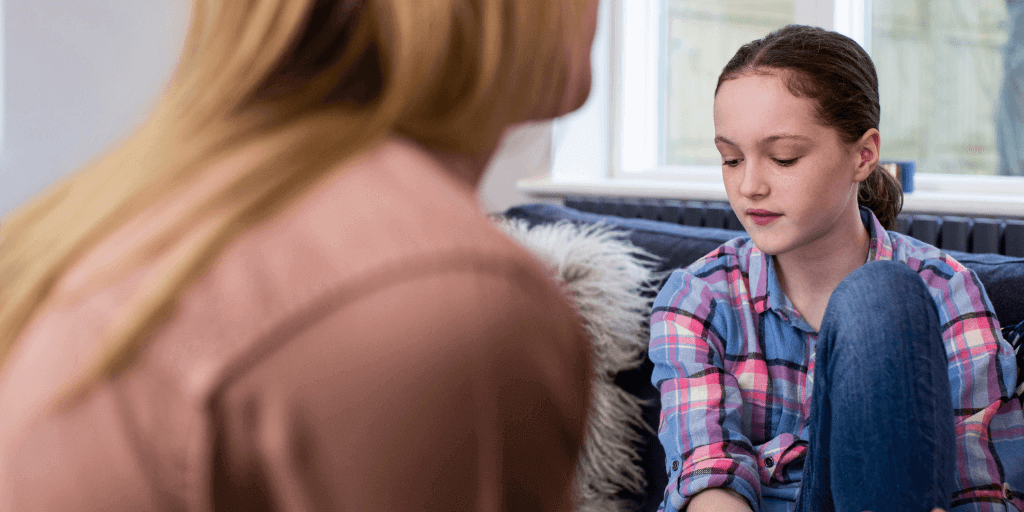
677,246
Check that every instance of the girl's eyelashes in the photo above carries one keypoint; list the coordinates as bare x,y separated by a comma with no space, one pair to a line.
783,163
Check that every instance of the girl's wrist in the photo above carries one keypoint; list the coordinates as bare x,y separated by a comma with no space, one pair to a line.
718,499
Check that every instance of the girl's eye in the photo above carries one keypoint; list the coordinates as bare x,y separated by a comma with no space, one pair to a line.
786,163
731,163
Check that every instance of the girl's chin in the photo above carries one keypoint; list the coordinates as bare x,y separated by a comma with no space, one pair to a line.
769,245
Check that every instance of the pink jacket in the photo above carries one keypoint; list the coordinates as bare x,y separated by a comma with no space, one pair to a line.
378,345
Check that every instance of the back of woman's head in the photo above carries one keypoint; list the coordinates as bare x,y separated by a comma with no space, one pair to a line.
450,73
839,76
308,82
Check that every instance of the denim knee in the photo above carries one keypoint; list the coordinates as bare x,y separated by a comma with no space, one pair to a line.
881,385
879,283
879,295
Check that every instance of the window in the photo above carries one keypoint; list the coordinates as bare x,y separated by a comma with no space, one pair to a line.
939,70
701,38
647,129
939,65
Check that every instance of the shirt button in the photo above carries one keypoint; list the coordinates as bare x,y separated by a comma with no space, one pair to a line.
769,462
675,465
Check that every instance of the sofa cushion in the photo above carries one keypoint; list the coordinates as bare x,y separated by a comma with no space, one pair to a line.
675,245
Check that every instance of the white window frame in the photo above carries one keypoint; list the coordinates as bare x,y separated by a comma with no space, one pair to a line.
612,146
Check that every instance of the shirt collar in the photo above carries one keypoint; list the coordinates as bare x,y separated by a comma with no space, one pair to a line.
764,283
880,247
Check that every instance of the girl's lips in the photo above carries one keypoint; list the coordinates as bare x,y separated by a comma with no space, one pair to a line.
763,217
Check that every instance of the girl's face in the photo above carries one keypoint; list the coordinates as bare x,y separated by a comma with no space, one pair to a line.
791,181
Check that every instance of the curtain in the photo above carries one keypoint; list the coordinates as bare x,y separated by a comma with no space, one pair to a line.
1010,109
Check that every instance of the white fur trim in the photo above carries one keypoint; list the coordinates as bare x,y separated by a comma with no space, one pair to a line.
604,275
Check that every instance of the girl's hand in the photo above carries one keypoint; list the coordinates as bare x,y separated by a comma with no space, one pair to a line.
718,500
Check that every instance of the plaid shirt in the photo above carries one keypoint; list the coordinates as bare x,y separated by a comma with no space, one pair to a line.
734,362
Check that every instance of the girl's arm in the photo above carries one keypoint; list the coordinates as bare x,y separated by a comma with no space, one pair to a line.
982,370
700,400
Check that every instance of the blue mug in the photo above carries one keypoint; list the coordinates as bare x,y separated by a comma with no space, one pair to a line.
902,170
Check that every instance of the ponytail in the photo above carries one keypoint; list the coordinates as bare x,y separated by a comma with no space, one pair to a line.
883,195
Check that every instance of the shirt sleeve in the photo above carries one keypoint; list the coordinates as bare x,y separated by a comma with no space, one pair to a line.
463,390
700,426
982,372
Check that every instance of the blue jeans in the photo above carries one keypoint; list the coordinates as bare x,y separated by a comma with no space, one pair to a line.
881,431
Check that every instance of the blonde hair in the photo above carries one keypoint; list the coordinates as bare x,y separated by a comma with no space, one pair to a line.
312,82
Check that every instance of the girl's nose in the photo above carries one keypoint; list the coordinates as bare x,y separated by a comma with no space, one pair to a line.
754,183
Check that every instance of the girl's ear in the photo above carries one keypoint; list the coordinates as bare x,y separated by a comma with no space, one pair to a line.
867,154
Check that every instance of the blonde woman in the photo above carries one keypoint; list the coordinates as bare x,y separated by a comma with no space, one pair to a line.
278,293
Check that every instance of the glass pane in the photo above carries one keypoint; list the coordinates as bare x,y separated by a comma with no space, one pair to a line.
702,37
939,68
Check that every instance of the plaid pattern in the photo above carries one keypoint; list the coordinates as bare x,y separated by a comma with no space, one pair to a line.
734,362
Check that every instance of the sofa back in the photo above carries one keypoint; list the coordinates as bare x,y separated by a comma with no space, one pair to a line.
677,246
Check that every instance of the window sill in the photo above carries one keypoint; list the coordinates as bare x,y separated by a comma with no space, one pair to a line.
923,200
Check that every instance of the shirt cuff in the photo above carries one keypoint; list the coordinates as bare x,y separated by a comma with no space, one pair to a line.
725,473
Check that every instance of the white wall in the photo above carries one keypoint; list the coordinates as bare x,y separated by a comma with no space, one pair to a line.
525,153
78,74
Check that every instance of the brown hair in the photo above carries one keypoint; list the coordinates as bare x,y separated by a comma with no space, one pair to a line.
835,72
309,82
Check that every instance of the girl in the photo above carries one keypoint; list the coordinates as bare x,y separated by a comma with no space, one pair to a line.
826,363
279,293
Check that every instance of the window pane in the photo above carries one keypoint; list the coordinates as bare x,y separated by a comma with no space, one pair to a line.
702,37
939,66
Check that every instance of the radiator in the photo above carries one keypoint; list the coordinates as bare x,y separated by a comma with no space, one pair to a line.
955,233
